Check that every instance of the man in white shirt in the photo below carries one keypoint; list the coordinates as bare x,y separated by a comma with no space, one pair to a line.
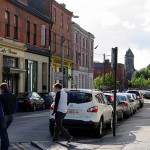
60,110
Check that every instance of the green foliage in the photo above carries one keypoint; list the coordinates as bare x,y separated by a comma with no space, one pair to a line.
106,81
141,78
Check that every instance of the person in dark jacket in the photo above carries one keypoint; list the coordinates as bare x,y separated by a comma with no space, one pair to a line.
8,102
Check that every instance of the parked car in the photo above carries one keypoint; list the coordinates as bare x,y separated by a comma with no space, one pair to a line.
139,96
125,103
47,99
30,100
132,101
137,100
87,109
119,108
146,95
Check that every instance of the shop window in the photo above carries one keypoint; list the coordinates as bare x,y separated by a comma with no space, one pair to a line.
35,34
15,27
7,23
28,31
10,62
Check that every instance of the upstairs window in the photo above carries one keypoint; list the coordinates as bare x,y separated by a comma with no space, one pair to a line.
28,31
54,15
62,21
15,27
68,47
34,34
68,24
7,23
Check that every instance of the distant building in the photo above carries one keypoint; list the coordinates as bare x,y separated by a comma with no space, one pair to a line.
129,64
82,47
103,68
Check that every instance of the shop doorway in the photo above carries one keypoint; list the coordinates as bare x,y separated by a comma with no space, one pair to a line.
12,81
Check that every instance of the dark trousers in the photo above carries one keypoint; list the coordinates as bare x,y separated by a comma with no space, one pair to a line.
4,124
58,126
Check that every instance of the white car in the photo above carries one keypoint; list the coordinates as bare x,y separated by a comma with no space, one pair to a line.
87,109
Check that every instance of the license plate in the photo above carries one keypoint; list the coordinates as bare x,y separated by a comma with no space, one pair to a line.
72,111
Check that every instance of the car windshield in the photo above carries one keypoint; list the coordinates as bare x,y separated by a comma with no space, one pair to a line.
121,98
24,95
135,92
79,97
147,92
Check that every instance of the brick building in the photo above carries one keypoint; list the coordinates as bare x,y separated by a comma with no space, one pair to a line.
82,47
24,46
62,27
103,68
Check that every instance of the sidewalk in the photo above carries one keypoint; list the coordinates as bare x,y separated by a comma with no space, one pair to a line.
131,134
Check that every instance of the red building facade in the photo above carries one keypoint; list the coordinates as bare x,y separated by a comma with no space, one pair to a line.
24,46
61,32
103,68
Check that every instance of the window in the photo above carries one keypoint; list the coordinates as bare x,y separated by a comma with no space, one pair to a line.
68,47
83,42
62,21
28,31
15,27
45,37
7,24
54,42
34,34
76,34
86,43
68,24
54,15
91,45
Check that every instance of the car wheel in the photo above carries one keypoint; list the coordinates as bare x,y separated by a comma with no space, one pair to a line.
99,130
122,116
51,127
34,107
43,106
110,124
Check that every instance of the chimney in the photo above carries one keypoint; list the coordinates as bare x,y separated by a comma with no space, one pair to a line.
63,5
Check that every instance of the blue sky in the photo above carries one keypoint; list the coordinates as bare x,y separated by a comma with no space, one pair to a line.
121,23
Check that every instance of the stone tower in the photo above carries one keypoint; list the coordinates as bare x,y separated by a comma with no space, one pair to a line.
129,64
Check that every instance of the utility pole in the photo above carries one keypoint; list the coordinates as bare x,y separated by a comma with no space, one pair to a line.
62,58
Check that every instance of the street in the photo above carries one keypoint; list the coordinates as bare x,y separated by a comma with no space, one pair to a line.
33,126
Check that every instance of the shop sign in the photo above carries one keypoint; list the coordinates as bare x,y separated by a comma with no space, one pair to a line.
7,50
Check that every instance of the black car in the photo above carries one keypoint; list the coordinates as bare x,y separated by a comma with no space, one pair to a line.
146,95
30,100
119,109
47,98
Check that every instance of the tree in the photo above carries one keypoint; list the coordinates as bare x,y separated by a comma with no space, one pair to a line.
141,78
105,82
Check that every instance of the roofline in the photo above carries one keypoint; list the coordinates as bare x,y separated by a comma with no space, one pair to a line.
31,10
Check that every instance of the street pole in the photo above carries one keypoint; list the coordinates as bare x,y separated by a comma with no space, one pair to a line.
104,68
114,65
62,58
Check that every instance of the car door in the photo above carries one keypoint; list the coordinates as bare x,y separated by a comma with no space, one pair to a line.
40,100
35,99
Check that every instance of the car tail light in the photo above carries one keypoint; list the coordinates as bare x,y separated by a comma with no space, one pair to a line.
29,101
124,104
111,98
93,109
51,107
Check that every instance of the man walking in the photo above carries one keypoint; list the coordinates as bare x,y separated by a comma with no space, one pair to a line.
8,101
60,110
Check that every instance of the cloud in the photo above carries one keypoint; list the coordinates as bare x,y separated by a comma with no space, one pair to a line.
121,23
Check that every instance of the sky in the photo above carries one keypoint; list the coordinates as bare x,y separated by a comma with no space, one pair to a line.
116,23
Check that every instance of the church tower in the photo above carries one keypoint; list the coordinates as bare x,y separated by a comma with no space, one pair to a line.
129,64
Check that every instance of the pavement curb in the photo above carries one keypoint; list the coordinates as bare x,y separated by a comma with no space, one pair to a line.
38,145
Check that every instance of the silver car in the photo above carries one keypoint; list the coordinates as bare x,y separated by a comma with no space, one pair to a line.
126,104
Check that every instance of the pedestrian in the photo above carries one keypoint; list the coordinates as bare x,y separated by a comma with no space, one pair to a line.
8,102
60,110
